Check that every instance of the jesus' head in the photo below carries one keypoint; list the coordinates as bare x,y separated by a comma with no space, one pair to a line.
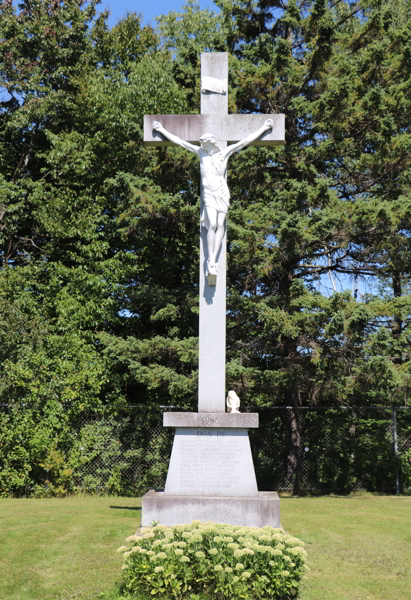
208,142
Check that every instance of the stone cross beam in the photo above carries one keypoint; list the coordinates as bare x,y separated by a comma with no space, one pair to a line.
226,129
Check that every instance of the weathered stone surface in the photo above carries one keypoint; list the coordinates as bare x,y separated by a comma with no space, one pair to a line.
255,511
214,64
212,332
231,128
212,419
212,322
211,462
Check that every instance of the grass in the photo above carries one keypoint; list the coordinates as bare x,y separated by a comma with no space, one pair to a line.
359,547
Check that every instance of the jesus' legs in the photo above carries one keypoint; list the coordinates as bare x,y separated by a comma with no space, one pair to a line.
219,234
211,235
215,235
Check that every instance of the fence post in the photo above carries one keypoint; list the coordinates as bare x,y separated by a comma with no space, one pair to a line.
395,449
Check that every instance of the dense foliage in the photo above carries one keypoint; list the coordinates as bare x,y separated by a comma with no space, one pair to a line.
204,560
99,235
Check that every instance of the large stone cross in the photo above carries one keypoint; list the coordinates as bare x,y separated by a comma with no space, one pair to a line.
227,129
211,473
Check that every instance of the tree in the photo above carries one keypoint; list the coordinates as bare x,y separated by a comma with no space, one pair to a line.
99,235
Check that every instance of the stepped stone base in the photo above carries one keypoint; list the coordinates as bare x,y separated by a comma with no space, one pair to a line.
252,511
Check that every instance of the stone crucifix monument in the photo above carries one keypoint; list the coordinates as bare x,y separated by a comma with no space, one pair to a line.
211,474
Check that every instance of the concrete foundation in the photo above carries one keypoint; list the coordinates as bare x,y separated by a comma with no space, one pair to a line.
254,511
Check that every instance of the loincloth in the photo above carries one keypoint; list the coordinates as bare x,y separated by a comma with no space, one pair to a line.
219,201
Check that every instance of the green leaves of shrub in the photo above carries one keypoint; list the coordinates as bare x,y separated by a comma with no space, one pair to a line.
208,558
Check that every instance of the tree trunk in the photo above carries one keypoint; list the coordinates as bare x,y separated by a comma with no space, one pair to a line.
294,441
292,395
397,321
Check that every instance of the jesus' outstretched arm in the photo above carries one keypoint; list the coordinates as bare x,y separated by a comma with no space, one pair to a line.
174,138
249,139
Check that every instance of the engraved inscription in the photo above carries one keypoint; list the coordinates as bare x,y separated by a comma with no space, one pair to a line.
210,460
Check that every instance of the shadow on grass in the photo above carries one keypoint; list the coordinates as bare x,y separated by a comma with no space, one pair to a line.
127,507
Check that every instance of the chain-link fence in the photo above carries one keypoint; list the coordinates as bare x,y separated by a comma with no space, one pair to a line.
314,450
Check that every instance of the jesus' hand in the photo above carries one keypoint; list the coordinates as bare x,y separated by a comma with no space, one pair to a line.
268,124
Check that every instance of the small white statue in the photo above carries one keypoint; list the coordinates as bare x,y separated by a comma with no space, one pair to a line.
215,193
233,402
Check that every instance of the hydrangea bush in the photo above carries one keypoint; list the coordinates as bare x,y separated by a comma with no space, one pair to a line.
201,559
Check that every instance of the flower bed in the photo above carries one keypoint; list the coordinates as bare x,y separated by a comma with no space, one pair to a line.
201,559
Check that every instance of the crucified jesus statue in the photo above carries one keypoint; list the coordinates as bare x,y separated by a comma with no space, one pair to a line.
215,192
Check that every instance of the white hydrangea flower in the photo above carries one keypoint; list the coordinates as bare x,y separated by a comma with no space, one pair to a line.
184,559
239,567
158,569
218,568
292,541
131,538
200,554
122,549
298,550
178,552
213,551
196,538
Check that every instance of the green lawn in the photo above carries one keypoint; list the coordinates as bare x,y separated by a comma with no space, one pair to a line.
359,547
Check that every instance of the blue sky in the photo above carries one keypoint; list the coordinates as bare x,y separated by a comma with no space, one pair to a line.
149,10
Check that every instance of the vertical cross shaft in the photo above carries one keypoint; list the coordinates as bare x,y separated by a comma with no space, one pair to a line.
212,329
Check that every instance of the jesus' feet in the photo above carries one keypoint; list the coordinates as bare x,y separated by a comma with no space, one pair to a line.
211,268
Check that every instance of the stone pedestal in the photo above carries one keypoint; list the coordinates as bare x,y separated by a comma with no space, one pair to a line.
249,511
211,462
211,475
